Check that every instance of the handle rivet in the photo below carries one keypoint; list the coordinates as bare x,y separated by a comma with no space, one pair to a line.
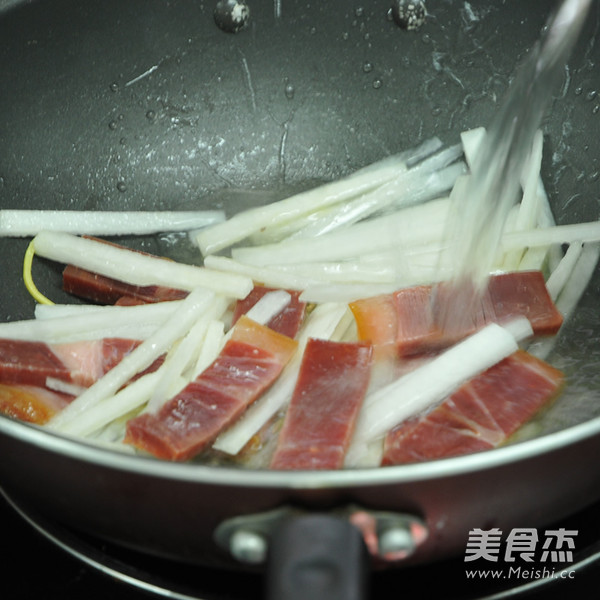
248,546
395,541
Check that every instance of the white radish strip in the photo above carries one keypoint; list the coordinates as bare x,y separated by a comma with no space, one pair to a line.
269,306
533,259
64,387
282,219
23,223
346,293
531,202
244,224
139,359
579,280
572,292
529,208
321,323
435,380
185,354
471,141
546,219
213,342
415,225
157,311
265,275
559,277
129,398
561,234
132,322
134,267
411,189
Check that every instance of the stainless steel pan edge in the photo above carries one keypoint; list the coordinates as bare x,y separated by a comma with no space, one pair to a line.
173,510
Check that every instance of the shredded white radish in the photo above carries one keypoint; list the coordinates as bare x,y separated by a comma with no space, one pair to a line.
244,224
79,323
134,267
559,277
24,223
547,236
99,415
139,359
414,225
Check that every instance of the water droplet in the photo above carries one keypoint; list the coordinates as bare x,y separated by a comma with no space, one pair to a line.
313,30
121,186
123,141
289,91
345,35
591,95
594,176
231,15
113,87
359,12
377,83
367,36
426,39
150,115
367,67
596,109
578,91
112,125
2,181
409,14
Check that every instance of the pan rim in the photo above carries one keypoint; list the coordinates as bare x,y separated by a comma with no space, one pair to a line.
81,451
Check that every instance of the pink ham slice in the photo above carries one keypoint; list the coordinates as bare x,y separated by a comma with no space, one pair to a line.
405,322
480,415
104,290
81,363
287,322
320,420
249,363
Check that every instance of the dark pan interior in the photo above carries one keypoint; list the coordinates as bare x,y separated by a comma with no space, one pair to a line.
145,104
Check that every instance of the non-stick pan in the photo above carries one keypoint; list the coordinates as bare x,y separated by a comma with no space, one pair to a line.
144,104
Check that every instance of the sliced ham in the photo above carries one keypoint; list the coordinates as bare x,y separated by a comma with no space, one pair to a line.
320,420
480,415
287,322
30,403
248,364
406,321
104,290
80,363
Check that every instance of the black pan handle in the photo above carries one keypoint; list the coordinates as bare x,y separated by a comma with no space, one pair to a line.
317,557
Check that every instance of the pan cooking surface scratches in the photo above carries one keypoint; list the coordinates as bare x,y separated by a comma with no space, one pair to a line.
75,565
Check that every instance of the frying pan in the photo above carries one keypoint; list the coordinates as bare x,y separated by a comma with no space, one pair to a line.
143,104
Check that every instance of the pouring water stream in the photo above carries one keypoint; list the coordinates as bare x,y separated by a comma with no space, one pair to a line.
482,201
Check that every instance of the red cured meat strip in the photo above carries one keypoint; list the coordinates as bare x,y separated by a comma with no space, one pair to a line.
248,364
104,290
81,363
414,329
480,415
31,404
320,420
287,322
30,363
